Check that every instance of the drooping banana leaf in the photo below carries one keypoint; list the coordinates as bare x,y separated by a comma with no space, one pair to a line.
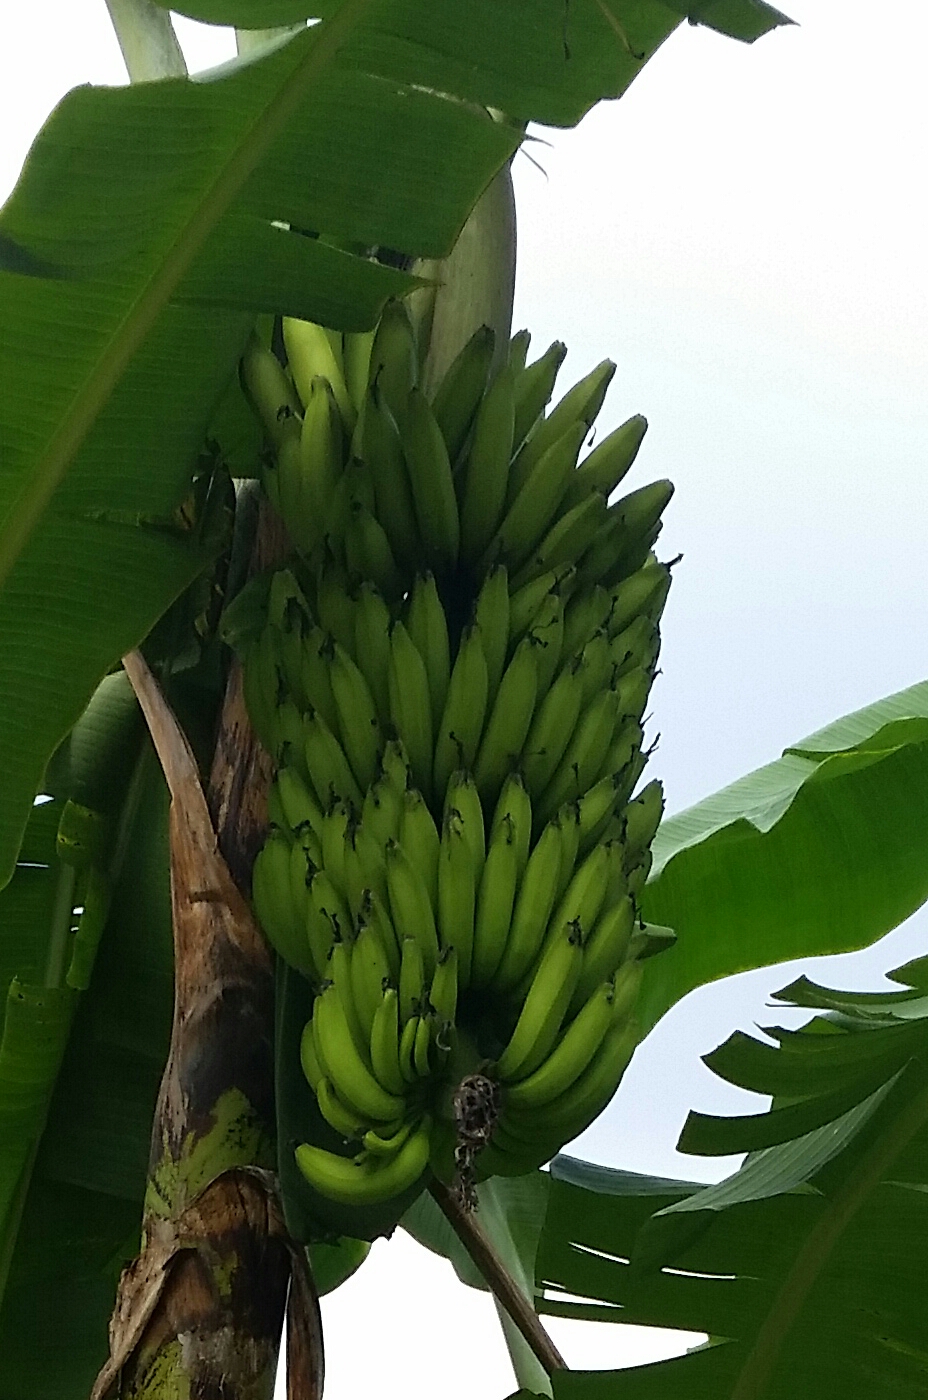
803,1268
821,851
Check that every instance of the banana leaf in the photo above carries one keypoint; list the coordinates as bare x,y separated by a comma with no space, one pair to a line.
819,852
800,1268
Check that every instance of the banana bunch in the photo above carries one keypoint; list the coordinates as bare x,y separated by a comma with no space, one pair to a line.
451,677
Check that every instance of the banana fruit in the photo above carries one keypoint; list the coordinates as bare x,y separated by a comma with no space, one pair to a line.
451,678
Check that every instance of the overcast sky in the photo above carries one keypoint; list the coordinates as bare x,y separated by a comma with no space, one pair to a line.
744,234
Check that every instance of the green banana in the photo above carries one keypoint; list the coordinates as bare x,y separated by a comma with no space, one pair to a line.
595,665
411,704
385,1043
310,353
357,364
408,1049
321,460
327,763
342,1063
463,798
314,671
308,1061
428,629
381,812
297,802
460,395
548,633
370,969
382,449
509,721
567,540
649,939
410,905
368,1178
373,911
514,805
491,614
546,1001
636,645
583,757
461,723
596,806
270,390
584,615
530,515
420,840
432,483
495,898
359,727
329,902
551,729
642,818
368,553
382,1146
372,644
534,385
412,979
518,350
334,606
577,409
339,974
608,463
347,1124
605,948
525,603
394,362
273,903
538,890
443,993
483,489
637,594
457,893
581,902
570,1055
422,1045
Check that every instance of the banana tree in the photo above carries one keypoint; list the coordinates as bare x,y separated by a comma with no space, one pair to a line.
330,170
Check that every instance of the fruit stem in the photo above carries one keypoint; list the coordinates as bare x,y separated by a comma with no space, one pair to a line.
502,1284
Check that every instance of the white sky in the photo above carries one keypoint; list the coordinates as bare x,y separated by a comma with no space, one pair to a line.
744,233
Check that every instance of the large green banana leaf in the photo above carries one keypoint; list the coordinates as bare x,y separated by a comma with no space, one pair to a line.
145,230
805,1269
819,852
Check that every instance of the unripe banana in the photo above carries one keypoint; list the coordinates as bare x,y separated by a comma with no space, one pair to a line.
368,553
636,646
327,763
463,798
382,810
443,993
543,1010
385,1043
422,1045
412,980
579,906
381,1146
327,900
483,489
263,687
525,603
584,615
411,705
578,408
370,969
270,390
534,386
347,1124
583,757
495,899
548,632
372,644
382,449
410,905
368,1178
339,974
290,742
310,1064
642,818
433,492
538,889
551,729
270,892
595,665
637,594
428,629
608,463
365,870
509,721
394,362
356,359
310,353
457,893
460,395
408,1036
596,806
359,727
420,840
342,1063
518,350
334,606
276,816
571,1054
321,459
461,723
568,822
566,542
649,939
491,614
514,805
529,516
298,804
317,683
632,691
605,948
